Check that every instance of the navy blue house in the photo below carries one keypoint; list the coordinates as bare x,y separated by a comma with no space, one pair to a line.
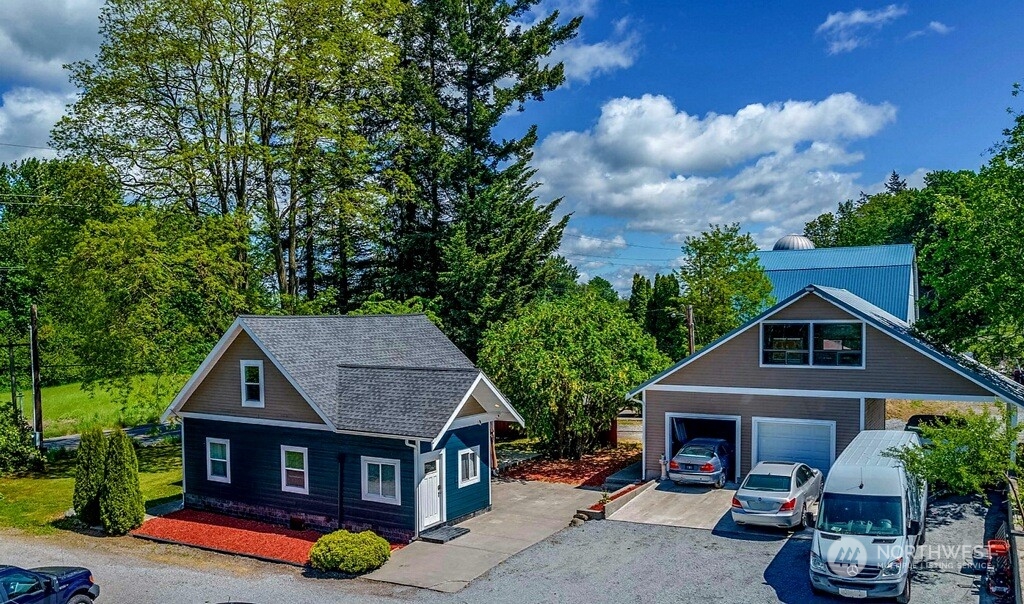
367,422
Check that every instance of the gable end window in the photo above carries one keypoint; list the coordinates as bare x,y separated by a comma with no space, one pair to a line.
218,460
813,344
469,466
382,480
252,384
294,470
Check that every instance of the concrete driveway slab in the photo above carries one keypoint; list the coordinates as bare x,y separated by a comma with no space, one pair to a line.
523,514
682,506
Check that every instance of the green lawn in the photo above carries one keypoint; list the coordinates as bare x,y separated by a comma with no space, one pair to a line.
68,409
33,502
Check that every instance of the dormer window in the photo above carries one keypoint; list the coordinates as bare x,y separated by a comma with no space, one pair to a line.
252,383
812,344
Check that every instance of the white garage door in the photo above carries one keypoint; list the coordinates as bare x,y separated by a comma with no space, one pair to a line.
809,442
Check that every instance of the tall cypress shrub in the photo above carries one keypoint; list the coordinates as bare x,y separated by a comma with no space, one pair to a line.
89,475
121,505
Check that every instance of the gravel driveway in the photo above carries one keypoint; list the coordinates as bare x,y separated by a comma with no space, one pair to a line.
599,562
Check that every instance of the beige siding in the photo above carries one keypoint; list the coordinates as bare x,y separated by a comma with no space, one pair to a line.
874,414
890,366
845,412
220,392
812,307
472,407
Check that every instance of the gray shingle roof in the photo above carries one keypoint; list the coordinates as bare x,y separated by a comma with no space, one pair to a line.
384,374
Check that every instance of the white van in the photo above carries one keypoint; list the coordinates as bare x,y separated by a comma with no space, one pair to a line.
870,519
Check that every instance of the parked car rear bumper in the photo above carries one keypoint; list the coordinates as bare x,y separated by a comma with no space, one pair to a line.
696,478
777,519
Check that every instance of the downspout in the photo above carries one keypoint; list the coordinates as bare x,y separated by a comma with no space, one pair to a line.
415,444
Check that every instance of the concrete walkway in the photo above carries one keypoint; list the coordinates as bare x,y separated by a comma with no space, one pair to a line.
523,514
683,506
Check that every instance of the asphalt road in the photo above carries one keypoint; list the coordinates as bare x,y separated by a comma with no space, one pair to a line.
599,562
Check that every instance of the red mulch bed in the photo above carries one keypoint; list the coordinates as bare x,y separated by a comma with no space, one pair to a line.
589,471
231,535
599,507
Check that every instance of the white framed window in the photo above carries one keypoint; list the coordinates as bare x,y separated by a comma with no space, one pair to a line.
294,470
218,460
823,344
252,383
382,480
469,466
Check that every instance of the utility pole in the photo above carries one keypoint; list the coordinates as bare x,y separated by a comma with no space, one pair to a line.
689,328
14,383
37,395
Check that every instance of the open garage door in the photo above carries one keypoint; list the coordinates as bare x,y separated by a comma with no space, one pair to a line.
812,442
683,427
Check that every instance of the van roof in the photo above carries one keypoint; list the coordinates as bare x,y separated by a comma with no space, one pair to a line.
868,447
862,468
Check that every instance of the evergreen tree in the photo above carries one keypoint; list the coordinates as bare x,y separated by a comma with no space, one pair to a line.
496,258
895,184
90,475
122,507
664,321
639,297
604,290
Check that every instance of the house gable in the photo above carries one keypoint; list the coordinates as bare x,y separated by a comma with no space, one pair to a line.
890,366
219,391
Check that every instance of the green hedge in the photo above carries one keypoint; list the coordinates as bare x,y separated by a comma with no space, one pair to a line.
122,508
351,553
17,451
90,472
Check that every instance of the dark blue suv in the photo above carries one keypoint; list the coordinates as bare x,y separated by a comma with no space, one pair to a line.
47,585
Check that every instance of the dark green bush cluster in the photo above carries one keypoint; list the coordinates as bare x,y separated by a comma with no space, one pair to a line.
107,489
17,451
351,553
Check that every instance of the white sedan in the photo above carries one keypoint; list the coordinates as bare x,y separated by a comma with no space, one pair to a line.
777,494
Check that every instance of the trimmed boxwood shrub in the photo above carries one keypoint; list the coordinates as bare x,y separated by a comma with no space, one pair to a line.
351,553
90,471
121,505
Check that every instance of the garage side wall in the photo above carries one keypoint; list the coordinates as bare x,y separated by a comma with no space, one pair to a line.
874,414
845,412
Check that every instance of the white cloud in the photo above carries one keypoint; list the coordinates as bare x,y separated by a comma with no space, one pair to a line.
934,27
585,61
26,116
575,243
38,37
658,169
846,31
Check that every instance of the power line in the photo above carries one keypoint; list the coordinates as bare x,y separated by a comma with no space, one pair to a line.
26,146
584,255
620,243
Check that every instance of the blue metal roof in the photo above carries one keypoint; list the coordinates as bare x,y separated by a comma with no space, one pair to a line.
880,274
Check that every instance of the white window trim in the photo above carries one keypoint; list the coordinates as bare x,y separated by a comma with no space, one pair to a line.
227,460
475,479
305,470
367,495
810,343
245,402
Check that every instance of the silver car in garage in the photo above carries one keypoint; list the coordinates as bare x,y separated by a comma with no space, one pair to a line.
777,494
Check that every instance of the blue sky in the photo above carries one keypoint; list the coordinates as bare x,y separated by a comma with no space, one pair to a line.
680,113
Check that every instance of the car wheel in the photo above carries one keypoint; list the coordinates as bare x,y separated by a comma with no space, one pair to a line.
80,599
721,482
803,518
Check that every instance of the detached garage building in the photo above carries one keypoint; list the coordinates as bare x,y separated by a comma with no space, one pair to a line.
801,380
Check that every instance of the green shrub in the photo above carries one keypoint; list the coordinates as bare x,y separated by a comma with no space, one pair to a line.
17,450
90,472
351,553
121,505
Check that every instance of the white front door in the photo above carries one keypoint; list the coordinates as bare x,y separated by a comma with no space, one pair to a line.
430,491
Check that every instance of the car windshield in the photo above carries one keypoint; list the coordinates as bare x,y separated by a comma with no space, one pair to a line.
767,482
697,451
860,514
